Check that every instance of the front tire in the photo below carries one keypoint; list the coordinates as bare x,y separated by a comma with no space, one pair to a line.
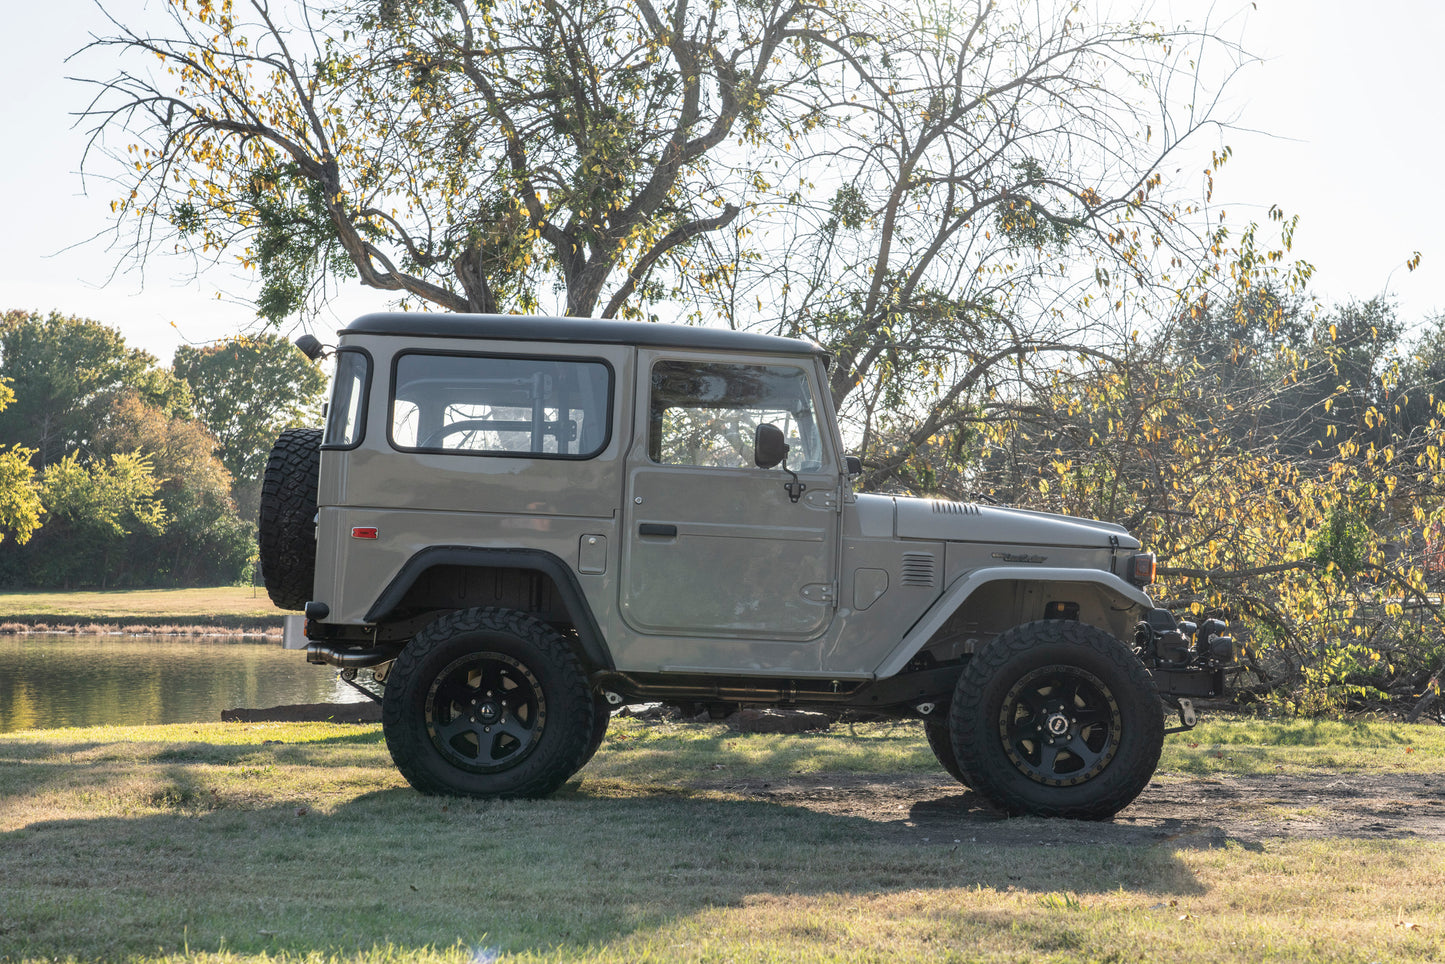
1057,719
488,703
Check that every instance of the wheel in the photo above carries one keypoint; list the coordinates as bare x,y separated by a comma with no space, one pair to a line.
1057,719
940,741
286,529
488,703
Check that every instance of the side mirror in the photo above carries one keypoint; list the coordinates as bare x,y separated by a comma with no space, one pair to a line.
310,346
769,448
854,464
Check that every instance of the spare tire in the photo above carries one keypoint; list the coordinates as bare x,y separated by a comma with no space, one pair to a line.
287,526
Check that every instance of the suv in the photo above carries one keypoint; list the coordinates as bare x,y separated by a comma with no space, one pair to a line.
520,524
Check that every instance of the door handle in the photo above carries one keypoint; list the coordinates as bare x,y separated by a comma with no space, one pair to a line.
657,529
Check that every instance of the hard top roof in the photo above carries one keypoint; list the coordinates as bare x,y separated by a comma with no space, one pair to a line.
575,330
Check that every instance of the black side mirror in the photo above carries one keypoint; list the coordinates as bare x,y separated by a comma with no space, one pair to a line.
855,465
310,346
768,447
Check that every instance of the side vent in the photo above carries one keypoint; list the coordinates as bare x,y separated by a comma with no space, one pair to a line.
955,508
919,569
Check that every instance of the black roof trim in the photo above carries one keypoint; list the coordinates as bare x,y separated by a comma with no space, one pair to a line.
595,331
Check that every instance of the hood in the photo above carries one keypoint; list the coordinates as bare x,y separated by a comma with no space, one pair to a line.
969,522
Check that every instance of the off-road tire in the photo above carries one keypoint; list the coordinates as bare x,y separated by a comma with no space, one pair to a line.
1067,682
940,741
286,529
488,703
601,718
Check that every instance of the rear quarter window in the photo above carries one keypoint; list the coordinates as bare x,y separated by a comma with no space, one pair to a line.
346,414
501,405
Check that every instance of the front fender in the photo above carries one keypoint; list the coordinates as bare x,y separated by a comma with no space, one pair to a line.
1128,595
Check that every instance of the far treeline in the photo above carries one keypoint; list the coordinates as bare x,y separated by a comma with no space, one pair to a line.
118,472
999,218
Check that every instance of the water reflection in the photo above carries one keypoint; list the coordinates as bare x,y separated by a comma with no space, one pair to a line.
51,681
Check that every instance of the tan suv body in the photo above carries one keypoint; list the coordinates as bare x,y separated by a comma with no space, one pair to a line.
667,513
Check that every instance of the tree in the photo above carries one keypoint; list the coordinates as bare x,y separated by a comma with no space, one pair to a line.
20,506
952,197
461,154
248,390
132,490
92,511
1278,484
205,541
67,372
997,210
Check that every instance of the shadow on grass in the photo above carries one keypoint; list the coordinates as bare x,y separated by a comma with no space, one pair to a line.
586,868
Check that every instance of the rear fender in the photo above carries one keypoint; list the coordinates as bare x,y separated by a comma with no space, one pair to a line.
594,649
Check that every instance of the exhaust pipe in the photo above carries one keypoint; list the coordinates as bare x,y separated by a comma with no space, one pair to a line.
347,658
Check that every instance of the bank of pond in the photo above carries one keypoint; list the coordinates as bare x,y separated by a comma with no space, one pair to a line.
50,680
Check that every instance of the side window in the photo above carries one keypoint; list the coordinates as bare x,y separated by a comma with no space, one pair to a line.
708,414
346,416
499,405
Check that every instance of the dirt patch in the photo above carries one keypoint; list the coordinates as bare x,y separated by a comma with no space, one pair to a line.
1184,810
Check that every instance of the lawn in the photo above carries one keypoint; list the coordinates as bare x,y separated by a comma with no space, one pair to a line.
137,605
686,842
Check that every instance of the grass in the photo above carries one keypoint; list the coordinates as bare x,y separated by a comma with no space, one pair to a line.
300,842
139,605
1241,746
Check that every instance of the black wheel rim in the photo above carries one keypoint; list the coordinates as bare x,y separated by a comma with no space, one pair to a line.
1060,725
485,712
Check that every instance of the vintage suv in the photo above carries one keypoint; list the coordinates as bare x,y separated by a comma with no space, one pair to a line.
522,523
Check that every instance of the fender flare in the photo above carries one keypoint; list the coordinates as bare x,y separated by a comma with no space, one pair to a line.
589,633
963,587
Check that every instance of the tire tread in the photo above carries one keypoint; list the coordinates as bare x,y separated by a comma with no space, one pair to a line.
286,530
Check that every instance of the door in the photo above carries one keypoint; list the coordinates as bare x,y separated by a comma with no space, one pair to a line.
717,545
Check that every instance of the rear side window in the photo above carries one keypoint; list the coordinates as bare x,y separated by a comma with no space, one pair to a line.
346,415
501,405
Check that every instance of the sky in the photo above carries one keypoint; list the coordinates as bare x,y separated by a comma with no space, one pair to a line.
1341,121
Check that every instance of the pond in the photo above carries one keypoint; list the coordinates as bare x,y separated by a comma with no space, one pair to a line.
53,680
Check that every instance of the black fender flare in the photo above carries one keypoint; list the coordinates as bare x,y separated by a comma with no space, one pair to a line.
961,588
589,634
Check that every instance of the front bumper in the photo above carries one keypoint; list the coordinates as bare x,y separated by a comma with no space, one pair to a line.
1187,660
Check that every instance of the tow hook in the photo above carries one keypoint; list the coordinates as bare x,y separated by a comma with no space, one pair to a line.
1185,706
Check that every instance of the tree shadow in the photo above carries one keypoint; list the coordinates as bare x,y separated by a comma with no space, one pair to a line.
584,868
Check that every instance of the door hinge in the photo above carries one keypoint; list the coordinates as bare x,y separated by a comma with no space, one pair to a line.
820,592
822,499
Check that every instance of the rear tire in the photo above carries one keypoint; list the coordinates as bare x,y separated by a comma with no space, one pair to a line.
1057,719
488,703
286,529
940,741
601,718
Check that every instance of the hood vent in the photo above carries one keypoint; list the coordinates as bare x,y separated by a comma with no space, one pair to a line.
919,569
955,508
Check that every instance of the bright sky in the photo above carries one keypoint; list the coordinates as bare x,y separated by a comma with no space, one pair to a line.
1341,122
